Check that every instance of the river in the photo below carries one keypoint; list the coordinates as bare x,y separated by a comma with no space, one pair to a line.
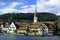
29,38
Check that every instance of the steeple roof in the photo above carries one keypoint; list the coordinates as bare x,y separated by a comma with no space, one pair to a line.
12,25
35,10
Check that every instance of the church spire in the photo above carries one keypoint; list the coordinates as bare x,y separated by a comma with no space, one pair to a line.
35,11
35,16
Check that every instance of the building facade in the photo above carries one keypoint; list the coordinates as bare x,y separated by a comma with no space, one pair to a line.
12,28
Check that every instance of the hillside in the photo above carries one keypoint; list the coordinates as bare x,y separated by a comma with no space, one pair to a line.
58,26
58,22
27,17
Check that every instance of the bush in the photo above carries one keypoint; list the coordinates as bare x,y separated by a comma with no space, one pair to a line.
15,31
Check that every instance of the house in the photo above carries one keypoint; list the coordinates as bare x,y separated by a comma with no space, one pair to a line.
1,28
37,29
43,28
4,27
21,31
12,28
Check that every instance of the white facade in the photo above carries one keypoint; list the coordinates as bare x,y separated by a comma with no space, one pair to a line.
43,30
11,28
35,19
1,28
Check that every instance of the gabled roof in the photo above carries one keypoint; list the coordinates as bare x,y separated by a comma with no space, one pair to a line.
12,24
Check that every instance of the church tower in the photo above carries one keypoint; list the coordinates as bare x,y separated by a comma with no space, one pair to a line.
35,16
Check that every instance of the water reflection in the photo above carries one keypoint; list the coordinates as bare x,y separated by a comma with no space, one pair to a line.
29,38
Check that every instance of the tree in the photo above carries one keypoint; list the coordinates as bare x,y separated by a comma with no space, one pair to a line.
27,16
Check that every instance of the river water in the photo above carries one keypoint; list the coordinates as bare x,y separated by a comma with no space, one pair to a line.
29,38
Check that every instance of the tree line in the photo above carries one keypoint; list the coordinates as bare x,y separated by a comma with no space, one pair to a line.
22,17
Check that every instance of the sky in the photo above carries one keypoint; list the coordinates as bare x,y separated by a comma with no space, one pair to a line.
28,6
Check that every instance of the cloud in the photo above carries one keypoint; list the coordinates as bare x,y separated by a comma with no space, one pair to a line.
10,8
43,6
52,6
28,9
48,6
26,6
58,14
13,4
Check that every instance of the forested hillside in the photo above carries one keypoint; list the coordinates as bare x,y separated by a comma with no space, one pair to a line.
28,17
58,22
58,26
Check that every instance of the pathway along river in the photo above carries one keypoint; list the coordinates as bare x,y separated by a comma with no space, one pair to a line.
29,38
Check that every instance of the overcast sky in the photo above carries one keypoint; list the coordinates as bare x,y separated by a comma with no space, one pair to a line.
28,6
